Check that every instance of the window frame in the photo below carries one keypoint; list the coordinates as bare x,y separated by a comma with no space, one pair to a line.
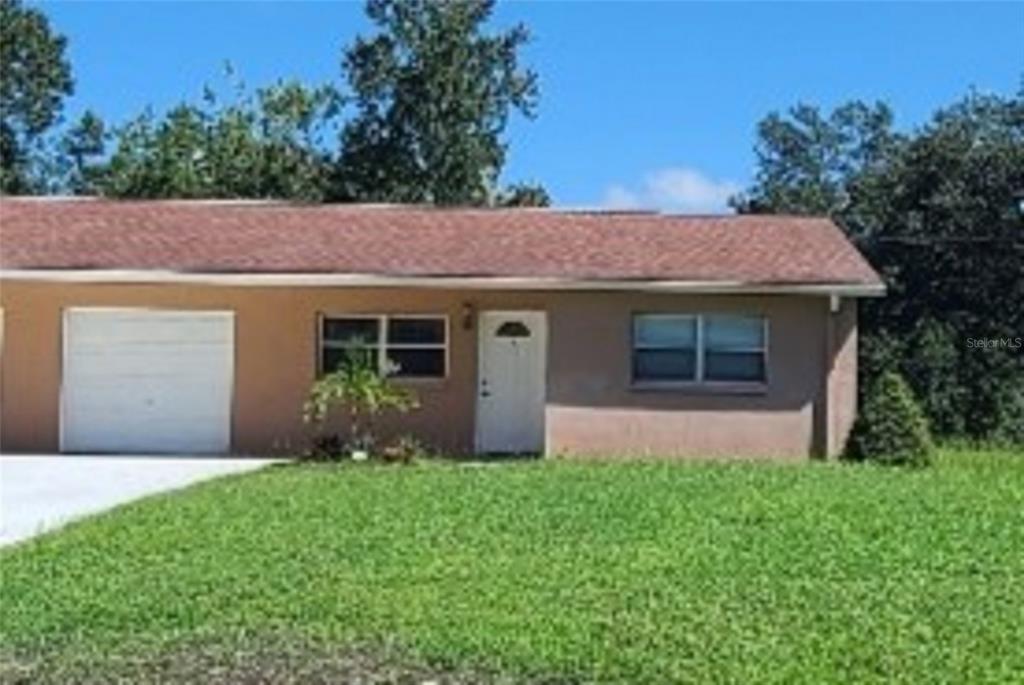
635,347
762,350
700,380
382,346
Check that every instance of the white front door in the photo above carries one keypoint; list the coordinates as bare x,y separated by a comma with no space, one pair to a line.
144,380
511,382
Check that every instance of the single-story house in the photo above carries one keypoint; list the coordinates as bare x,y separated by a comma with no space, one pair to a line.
198,326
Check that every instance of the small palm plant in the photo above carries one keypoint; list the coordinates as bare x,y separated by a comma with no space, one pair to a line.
360,386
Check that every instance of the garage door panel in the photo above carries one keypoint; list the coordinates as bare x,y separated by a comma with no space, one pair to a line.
130,411
139,440
130,346
149,326
142,386
113,369
142,348
147,381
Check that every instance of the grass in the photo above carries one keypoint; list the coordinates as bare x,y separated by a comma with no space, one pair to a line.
642,572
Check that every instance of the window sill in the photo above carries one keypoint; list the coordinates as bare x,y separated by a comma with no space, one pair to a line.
422,382
701,388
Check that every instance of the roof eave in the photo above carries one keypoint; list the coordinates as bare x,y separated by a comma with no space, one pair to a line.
842,289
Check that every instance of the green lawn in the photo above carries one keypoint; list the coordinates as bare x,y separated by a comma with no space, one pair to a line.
649,572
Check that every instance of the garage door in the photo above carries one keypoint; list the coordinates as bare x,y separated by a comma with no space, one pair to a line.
147,381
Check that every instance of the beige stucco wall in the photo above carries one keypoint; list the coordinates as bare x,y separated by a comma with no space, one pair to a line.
591,408
842,376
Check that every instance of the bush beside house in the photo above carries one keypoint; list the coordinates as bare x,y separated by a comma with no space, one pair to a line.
891,427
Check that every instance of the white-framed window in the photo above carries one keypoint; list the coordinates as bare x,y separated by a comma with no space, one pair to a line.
699,348
735,348
665,347
404,345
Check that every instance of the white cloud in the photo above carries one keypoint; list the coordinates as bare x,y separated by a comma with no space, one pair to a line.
676,189
618,197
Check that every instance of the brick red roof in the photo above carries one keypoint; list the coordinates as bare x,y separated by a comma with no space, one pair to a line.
240,237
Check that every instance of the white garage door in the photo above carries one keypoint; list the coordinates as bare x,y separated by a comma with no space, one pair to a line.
147,381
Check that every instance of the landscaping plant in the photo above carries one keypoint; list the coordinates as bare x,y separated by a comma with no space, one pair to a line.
891,427
364,390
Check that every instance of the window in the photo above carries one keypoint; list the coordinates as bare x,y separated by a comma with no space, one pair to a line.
664,348
704,348
403,346
416,346
513,329
734,348
337,336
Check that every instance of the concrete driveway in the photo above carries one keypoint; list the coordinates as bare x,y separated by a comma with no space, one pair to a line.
40,493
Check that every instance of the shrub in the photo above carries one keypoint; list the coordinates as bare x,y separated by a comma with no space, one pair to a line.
891,428
358,385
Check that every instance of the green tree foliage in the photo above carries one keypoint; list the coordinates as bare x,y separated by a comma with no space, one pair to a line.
433,93
931,359
891,428
937,212
806,159
524,195
80,148
35,76
358,386
266,146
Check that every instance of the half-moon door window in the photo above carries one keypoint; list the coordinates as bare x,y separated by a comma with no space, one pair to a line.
513,329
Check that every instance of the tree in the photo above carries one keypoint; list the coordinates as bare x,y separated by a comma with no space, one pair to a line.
805,161
269,145
79,147
35,76
942,223
937,212
524,195
433,94
161,159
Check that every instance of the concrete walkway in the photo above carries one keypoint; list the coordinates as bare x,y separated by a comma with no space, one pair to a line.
43,492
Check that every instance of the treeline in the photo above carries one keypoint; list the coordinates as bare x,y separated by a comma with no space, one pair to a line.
420,118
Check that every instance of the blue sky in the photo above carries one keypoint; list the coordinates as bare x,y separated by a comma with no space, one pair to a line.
642,103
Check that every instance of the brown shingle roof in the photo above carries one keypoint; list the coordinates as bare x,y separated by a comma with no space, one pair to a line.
239,237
